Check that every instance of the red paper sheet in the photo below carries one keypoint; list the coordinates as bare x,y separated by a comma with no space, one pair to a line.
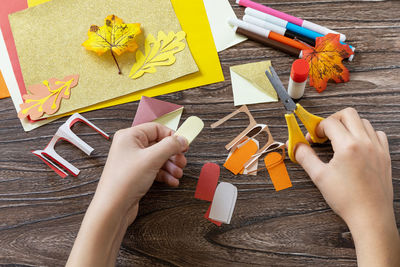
7,7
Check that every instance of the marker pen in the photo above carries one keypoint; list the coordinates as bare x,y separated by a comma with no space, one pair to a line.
312,35
278,29
297,21
267,33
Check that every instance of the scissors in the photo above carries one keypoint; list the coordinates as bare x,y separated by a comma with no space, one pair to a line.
309,120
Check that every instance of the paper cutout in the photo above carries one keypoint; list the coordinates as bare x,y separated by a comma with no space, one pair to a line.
251,169
207,182
275,165
191,128
154,110
114,36
207,216
250,85
223,203
326,61
7,7
101,82
253,128
32,3
46,97
53,159
3,87
158,52
240,156
218,13
191,14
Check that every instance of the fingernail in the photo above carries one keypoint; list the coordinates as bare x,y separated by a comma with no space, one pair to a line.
182,140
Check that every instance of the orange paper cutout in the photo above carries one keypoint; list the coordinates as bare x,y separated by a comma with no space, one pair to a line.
277,170
326,61
3,88
240,156
46,97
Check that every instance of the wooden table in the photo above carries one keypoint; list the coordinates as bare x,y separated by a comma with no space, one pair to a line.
41,213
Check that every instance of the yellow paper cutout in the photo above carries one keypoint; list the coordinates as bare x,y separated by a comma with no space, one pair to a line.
171,120
190,128
32,3
158,52
193,19
46,97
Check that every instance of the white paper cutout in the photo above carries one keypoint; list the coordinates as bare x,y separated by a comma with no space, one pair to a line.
223,203
50,156
218,13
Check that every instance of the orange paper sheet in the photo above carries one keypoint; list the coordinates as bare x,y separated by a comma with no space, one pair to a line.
3,88
193,18
277,171
240,156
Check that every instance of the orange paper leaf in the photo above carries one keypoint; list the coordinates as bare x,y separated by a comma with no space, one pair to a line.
326,61
46,97
114,35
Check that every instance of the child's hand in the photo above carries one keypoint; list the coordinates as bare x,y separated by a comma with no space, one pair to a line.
138,156
357,183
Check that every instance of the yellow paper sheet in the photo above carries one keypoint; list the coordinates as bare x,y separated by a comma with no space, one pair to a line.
193,19
46,51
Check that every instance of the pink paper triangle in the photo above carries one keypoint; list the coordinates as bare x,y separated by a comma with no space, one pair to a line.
150,109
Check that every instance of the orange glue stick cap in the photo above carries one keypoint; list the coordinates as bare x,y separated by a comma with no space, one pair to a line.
300,69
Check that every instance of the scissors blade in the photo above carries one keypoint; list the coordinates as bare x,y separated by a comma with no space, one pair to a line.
280,90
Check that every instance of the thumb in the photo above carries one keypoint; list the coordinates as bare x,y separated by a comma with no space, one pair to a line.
310,162
160,152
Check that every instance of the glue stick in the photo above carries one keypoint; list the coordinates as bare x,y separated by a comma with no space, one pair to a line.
298,78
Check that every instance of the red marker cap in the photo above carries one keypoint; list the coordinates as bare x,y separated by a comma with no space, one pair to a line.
300,69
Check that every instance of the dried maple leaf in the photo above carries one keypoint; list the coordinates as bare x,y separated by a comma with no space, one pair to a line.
157,52
46,97
326,61
114,35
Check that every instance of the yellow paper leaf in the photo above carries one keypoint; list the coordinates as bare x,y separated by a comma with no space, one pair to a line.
114,35
158,52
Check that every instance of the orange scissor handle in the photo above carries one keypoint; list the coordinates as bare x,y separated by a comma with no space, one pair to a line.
311,122
295,135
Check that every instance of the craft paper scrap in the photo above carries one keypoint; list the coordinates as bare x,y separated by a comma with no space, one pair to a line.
277,171
101,82
191,128
240,156
207,216
194,22
157,52
12,85
46,97
218,13
250,85
53,159
7,7
252,168
207,182
3,87
223,203
32,3
326,61
154,110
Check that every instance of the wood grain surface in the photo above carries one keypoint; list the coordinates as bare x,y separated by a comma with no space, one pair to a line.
40,213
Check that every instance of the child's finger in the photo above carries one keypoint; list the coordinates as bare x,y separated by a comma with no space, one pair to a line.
179,160
334,129
172,145
154,132
370,131
352,121
167,178
310,162
172,169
